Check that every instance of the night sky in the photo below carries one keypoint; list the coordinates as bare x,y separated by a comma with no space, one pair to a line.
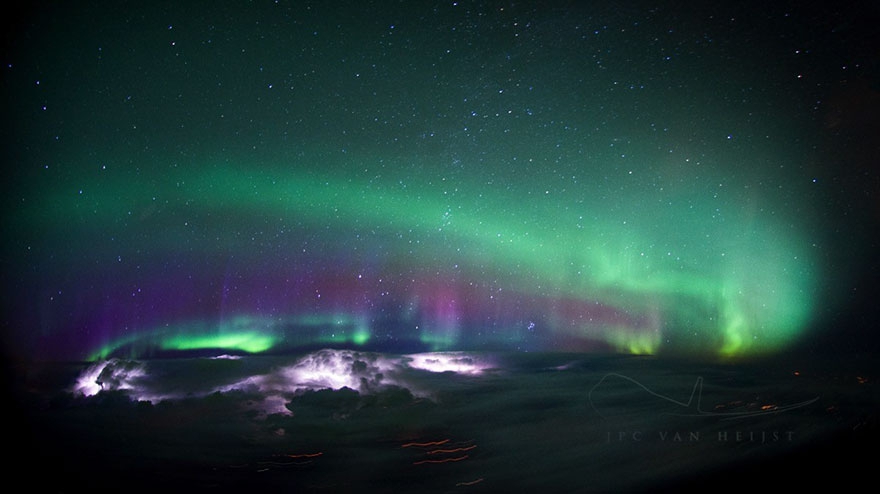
644,177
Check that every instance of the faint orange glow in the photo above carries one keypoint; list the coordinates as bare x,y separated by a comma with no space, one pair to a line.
768,407
454,450
731,404
861,380
424,445
305,455
797,373
444,460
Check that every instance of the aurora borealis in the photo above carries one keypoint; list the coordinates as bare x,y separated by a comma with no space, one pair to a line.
440,246
418,176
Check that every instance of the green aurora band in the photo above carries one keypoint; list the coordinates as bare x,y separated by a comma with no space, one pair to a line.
709,265
247,334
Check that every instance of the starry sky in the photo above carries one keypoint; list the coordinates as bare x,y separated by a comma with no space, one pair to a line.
636,177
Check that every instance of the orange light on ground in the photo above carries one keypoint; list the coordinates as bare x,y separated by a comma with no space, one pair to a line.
444,460
424,445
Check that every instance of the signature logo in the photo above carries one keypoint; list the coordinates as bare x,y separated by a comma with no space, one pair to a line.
693,407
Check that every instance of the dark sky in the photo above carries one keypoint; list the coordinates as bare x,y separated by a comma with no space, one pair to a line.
643,177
